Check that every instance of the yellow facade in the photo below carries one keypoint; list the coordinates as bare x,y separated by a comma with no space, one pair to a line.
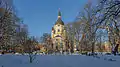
58,32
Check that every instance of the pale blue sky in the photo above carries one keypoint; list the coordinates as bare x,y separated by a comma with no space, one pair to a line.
40,15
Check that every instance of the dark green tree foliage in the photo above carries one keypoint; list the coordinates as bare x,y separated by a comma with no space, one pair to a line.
7,23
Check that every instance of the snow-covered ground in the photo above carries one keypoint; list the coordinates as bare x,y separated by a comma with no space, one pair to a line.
59,61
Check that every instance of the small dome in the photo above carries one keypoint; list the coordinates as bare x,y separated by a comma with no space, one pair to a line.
59,21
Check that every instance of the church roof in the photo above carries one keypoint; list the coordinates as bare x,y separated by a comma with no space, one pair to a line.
59,21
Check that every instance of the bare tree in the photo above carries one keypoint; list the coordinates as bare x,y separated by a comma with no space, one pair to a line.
29,47
46,39
70,37
109,12
89,29
21,35
101,38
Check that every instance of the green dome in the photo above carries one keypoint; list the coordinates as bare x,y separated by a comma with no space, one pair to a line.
59,21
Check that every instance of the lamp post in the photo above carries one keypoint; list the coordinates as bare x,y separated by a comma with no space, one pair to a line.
0,40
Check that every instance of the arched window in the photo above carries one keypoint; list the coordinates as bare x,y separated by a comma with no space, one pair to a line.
56,39
58,30
54,31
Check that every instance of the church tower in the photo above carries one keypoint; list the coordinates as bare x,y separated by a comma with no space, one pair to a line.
58,33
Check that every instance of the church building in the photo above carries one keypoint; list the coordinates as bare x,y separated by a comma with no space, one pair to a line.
58,34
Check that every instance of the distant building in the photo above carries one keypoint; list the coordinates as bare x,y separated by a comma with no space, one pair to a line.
58,34
107,47
23,27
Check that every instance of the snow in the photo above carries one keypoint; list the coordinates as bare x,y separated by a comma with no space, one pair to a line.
59,61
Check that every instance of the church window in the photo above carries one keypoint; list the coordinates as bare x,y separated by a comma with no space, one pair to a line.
56,39
54,31
58,30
